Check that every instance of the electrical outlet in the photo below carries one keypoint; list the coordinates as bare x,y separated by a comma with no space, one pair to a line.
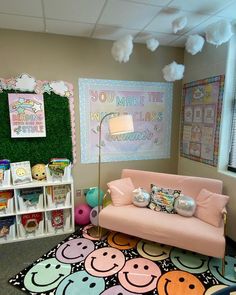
79,193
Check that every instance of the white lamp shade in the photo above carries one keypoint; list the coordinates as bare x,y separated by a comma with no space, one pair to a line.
121,124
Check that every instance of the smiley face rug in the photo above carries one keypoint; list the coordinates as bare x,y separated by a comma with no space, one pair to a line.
123,265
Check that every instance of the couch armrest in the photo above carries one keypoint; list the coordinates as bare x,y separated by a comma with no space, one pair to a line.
107,194
224,216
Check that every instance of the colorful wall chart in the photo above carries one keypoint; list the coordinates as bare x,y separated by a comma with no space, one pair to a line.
27,115
202,103
150,104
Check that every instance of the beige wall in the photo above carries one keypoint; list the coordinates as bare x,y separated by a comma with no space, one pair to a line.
210,62
55,57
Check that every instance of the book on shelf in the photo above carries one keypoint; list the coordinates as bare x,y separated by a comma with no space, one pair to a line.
21,172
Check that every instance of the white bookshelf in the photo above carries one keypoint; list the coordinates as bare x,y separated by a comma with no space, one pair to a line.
17,207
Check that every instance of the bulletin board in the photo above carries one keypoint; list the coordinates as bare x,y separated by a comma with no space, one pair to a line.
149,103
60,139
201,116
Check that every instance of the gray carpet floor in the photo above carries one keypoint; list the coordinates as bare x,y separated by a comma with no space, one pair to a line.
14,257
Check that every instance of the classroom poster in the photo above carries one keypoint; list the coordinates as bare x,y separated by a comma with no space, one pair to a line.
202,103
149,103
27,116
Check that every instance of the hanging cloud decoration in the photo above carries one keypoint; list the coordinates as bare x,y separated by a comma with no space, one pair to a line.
122,48
179,23
152,44
219,32
194,44
173,72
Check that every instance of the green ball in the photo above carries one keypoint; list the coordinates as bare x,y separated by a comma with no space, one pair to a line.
92,197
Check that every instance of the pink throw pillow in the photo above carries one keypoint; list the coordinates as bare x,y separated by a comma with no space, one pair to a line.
121,191
210,206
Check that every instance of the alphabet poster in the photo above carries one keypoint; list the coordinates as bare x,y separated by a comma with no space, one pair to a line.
26,115
202,103
149,103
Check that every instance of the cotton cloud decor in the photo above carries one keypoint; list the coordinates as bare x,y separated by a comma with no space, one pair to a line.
194,44
219,32
179,23
152,44
122,48
173,72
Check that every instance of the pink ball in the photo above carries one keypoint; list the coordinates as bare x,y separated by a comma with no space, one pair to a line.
82,214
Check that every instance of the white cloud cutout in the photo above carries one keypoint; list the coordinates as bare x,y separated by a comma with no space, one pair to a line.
25,83
59,87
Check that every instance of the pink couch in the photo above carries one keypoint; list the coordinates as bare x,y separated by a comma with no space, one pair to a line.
188,233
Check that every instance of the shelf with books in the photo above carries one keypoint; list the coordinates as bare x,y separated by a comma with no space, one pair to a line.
36,209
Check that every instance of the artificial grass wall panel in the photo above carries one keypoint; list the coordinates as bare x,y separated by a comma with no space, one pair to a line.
56,144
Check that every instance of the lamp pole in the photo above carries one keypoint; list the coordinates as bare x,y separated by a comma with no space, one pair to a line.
124,124
99,233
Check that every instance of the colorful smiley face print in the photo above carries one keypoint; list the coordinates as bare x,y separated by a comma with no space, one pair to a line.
86,234
117,290
179,282
75,250
139,275
121,241
189,261
104,262
215,266
153,251
81,283
46,275
215,288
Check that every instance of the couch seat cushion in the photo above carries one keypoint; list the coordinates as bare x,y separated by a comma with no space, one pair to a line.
188,233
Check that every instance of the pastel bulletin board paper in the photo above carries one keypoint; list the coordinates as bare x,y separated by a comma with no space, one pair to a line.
150,104
27,115
202,104
59,118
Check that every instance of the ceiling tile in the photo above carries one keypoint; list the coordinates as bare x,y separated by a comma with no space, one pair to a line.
86,11
180,42
202,7
111,33
152,2
24,23
22,7
128,15
200,29
229,11
163,38
163,22
69,28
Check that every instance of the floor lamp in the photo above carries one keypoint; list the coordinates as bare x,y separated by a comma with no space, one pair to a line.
118,124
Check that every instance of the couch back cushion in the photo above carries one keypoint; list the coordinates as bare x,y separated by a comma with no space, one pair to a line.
189,185
210,207
121,191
